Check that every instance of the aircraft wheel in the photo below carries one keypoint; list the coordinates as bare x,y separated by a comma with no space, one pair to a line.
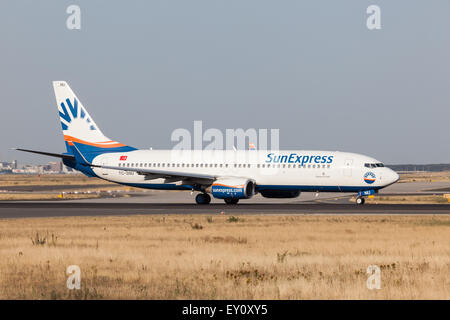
231,201
203,198
360,200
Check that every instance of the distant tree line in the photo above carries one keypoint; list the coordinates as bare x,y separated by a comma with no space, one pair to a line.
420,167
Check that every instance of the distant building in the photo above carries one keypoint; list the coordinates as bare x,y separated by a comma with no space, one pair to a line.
55,166
5,165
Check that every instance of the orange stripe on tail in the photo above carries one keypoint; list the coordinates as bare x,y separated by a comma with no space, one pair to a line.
101,144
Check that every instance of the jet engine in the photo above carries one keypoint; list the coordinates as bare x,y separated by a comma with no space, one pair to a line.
233,188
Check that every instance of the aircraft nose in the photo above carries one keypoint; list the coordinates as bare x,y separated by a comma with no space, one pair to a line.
393,176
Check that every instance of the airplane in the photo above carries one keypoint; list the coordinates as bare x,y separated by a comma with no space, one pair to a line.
230,175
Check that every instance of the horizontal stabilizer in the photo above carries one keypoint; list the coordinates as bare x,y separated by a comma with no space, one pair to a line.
57,155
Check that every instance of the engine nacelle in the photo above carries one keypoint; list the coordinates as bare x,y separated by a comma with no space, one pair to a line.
233,188
280,193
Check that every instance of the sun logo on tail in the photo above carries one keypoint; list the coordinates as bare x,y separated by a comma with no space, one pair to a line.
73,112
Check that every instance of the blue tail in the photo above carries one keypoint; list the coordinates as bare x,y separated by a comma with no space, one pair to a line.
81,134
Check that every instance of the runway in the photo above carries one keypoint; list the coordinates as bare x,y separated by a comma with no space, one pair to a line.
65,209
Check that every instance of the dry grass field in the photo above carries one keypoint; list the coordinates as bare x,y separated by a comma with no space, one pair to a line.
20,187
49,180
424,176
45,196
226,257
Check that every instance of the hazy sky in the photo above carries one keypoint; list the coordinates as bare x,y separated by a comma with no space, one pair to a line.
310,68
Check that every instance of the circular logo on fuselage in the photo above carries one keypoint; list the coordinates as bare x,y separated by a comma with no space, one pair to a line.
369,177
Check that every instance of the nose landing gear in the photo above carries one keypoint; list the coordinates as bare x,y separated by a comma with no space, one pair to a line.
362,194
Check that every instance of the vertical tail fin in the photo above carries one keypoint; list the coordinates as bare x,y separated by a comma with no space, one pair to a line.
79,127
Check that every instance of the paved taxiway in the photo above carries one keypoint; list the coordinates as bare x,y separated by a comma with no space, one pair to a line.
63,209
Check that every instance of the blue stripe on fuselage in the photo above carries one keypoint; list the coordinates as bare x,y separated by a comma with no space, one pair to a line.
304,188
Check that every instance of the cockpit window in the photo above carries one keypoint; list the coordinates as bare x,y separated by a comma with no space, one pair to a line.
373,165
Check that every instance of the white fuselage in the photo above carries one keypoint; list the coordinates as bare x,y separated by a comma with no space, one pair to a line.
302,170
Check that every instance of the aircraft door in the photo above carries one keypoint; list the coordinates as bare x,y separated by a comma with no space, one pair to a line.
348,167
105,172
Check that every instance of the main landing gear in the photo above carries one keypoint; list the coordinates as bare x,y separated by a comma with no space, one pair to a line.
231,201
360,200
203,198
